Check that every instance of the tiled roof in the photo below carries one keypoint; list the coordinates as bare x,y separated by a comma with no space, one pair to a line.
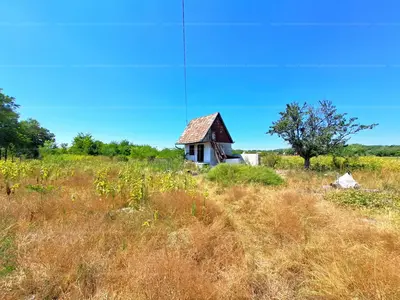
197,129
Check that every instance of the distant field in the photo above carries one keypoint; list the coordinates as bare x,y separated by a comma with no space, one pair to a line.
324,163
79,227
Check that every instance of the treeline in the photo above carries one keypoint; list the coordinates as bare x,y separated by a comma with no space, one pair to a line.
28,139
85,144
19,137
347,151
287,151
376,150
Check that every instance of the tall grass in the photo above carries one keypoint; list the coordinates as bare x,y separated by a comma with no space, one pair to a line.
67,232
300,247
76,243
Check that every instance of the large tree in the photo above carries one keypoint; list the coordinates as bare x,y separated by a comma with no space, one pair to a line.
19,137
315,130
32,136
85,144
8,122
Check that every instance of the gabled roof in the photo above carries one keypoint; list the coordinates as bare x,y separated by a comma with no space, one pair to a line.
197,129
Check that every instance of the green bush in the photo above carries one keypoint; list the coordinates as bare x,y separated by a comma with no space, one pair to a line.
205,169
365,199
270,159
121,158
143,152
166,164
238,174
190,165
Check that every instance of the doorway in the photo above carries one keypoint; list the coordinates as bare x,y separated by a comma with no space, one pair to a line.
200,153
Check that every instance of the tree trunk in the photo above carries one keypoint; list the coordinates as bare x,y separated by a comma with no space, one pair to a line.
5,153
307,163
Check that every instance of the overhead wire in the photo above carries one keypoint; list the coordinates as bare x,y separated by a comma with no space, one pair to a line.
184,58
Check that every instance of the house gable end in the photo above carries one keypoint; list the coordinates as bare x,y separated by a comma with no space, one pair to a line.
201,130
221,132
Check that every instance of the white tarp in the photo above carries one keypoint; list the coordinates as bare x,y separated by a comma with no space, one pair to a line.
251,159
346,181
234,161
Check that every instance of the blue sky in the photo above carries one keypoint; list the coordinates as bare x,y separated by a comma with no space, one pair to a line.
114,68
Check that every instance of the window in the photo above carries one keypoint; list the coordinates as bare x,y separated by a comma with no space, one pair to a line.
191,149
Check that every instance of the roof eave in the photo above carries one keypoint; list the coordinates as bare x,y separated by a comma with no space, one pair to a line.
187,143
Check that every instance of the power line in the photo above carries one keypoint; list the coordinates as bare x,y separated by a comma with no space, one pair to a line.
184,56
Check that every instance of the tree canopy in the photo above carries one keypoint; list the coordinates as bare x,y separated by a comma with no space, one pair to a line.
315,130
85,144
20,137
8,121
33,136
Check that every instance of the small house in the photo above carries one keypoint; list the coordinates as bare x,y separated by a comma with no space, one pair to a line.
207,140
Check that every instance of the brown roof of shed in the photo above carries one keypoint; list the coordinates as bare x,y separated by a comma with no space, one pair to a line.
197,129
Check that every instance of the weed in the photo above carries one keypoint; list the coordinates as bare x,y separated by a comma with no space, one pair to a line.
42,189
7,255
365,199
270,159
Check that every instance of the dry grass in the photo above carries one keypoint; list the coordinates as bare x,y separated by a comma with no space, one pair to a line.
243,242
299,246
85,248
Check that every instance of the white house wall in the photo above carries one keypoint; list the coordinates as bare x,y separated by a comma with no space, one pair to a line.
208,153
227,147
190,157
213,159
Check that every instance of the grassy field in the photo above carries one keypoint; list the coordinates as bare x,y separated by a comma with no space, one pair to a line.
91,228
331,163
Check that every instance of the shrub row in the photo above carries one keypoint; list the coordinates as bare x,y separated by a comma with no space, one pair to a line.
330,163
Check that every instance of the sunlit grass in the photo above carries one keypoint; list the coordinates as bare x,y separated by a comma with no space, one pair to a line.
93,228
